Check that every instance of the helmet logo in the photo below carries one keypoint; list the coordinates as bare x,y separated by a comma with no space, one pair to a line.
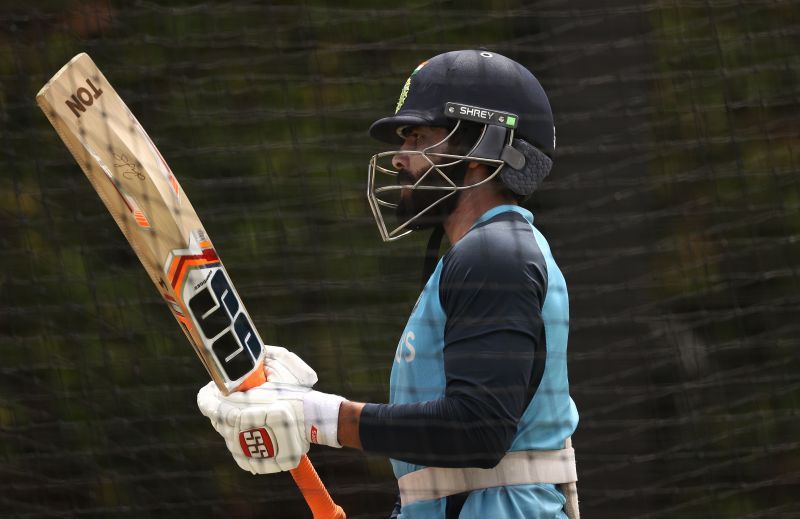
403,95
481,115
407,86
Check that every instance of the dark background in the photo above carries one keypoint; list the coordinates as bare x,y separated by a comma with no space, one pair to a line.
672,210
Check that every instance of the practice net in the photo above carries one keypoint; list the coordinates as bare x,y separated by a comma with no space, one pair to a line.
672,210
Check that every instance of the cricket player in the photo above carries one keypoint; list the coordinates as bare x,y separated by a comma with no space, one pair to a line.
480,417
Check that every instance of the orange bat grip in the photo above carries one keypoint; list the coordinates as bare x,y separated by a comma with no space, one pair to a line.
317,497
305,476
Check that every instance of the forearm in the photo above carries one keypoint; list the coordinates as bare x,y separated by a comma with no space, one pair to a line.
424,433
349,421
473,424
449,432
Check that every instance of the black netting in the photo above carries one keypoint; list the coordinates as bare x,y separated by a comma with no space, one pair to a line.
672,209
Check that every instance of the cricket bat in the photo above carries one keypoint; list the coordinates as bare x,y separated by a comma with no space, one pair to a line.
155,215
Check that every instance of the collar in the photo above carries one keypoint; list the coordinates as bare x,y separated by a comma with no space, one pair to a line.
494,211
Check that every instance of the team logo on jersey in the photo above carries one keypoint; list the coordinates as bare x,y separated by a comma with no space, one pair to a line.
405,349
257,443
406,87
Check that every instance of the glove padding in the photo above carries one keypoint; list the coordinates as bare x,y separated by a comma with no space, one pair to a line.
255,448
283,366
268,428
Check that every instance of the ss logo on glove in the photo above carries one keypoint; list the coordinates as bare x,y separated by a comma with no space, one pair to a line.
257,443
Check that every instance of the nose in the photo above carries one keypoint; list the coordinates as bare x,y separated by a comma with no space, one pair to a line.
400,161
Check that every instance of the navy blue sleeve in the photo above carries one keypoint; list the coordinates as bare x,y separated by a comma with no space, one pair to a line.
492,289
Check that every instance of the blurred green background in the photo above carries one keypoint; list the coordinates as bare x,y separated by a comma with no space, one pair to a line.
672,210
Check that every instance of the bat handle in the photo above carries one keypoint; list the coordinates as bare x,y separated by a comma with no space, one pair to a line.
305,476
317,497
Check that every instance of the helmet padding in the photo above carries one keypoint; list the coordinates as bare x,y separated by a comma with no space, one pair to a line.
525,180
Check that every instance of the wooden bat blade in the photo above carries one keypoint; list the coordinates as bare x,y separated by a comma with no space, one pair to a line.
152,210
149,205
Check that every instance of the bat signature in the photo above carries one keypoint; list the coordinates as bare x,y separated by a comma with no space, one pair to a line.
130,168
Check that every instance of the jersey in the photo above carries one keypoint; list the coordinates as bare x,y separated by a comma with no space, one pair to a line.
480,369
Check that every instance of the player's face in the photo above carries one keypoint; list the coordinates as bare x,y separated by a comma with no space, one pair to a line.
412,166
419,138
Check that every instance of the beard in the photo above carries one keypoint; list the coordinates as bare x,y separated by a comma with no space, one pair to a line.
414,202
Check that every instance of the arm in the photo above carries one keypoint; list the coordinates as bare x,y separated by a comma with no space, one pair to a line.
349,420
494,358
472,425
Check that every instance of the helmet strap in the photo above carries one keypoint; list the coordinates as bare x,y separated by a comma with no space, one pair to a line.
492,142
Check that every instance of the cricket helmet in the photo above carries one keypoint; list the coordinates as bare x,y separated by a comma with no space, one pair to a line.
460,88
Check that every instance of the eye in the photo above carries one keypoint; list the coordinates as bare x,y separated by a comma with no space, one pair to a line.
413,138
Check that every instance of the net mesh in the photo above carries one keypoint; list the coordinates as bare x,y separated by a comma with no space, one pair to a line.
672,210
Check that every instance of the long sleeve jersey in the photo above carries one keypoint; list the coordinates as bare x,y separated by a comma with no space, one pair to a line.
480,369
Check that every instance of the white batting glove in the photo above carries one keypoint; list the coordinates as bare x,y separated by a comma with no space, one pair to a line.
268,428
284,366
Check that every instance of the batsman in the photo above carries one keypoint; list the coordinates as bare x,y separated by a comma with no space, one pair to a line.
479,418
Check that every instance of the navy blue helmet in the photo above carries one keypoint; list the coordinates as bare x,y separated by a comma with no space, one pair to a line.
475,78
484,89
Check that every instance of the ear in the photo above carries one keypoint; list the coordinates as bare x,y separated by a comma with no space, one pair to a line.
476,172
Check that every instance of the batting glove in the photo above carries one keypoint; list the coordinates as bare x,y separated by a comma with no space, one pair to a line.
284,366
268,428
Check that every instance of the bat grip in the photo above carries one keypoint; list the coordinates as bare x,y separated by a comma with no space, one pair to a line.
317,497
305,476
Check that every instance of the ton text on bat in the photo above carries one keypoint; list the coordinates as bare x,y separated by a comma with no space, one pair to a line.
83,97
